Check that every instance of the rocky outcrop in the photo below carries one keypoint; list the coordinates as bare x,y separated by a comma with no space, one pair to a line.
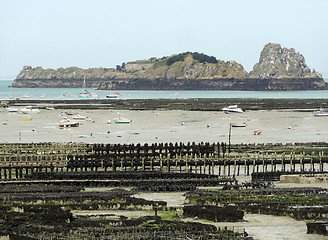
71,73
277,69
277,63
153,69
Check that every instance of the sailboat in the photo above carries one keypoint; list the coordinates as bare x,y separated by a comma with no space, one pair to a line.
85,93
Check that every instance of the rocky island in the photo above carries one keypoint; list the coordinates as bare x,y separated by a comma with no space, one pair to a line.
278,69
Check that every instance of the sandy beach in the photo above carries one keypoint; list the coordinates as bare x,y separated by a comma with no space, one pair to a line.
163,126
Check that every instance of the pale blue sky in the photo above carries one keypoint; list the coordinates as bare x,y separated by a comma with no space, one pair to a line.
105,33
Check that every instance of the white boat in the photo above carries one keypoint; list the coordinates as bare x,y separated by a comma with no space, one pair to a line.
120,120
68,123
321,113
29,109
238,124
85,93
232,109
26,96
50,108
11,109
79,117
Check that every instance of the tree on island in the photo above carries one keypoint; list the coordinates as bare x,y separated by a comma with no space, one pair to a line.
195,55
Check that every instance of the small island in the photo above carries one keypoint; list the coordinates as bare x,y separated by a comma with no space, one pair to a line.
278,69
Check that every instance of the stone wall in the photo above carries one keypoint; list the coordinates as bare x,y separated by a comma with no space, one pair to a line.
130,67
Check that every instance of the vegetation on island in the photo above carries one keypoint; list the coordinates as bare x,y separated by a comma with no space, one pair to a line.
202,58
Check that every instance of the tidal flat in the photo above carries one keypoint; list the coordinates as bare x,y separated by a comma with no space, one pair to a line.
160,126
159,121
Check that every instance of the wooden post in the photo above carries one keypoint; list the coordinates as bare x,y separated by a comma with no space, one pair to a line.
160,162
205,165
235,165
246,170
225,164
151,163
312,164
263,160
229,138
132,164
143,163
213,163
321,162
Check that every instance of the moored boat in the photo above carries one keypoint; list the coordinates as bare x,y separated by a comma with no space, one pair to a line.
232,109
29,109
121,120
11,109
239,124
85,93
115,95
321,113
68,123
26,96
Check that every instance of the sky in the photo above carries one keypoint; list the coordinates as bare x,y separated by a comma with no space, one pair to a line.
106,33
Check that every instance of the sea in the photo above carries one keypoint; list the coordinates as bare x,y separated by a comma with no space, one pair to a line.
8,93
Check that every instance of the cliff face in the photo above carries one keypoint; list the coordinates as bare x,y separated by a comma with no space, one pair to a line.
277,69
277,63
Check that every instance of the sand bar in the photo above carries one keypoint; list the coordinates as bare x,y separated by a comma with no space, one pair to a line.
163,126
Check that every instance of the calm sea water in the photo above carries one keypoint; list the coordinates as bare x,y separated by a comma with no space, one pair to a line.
7,93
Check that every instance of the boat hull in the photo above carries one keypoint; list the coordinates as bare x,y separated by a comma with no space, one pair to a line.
238,124
321,115
68,124
122,121
111,96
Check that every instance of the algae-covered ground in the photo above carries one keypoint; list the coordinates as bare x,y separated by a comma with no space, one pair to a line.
193,104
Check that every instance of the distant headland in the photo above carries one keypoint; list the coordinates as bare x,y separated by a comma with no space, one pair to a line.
278,68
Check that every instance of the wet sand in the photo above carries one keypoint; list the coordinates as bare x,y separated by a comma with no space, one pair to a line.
164,126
